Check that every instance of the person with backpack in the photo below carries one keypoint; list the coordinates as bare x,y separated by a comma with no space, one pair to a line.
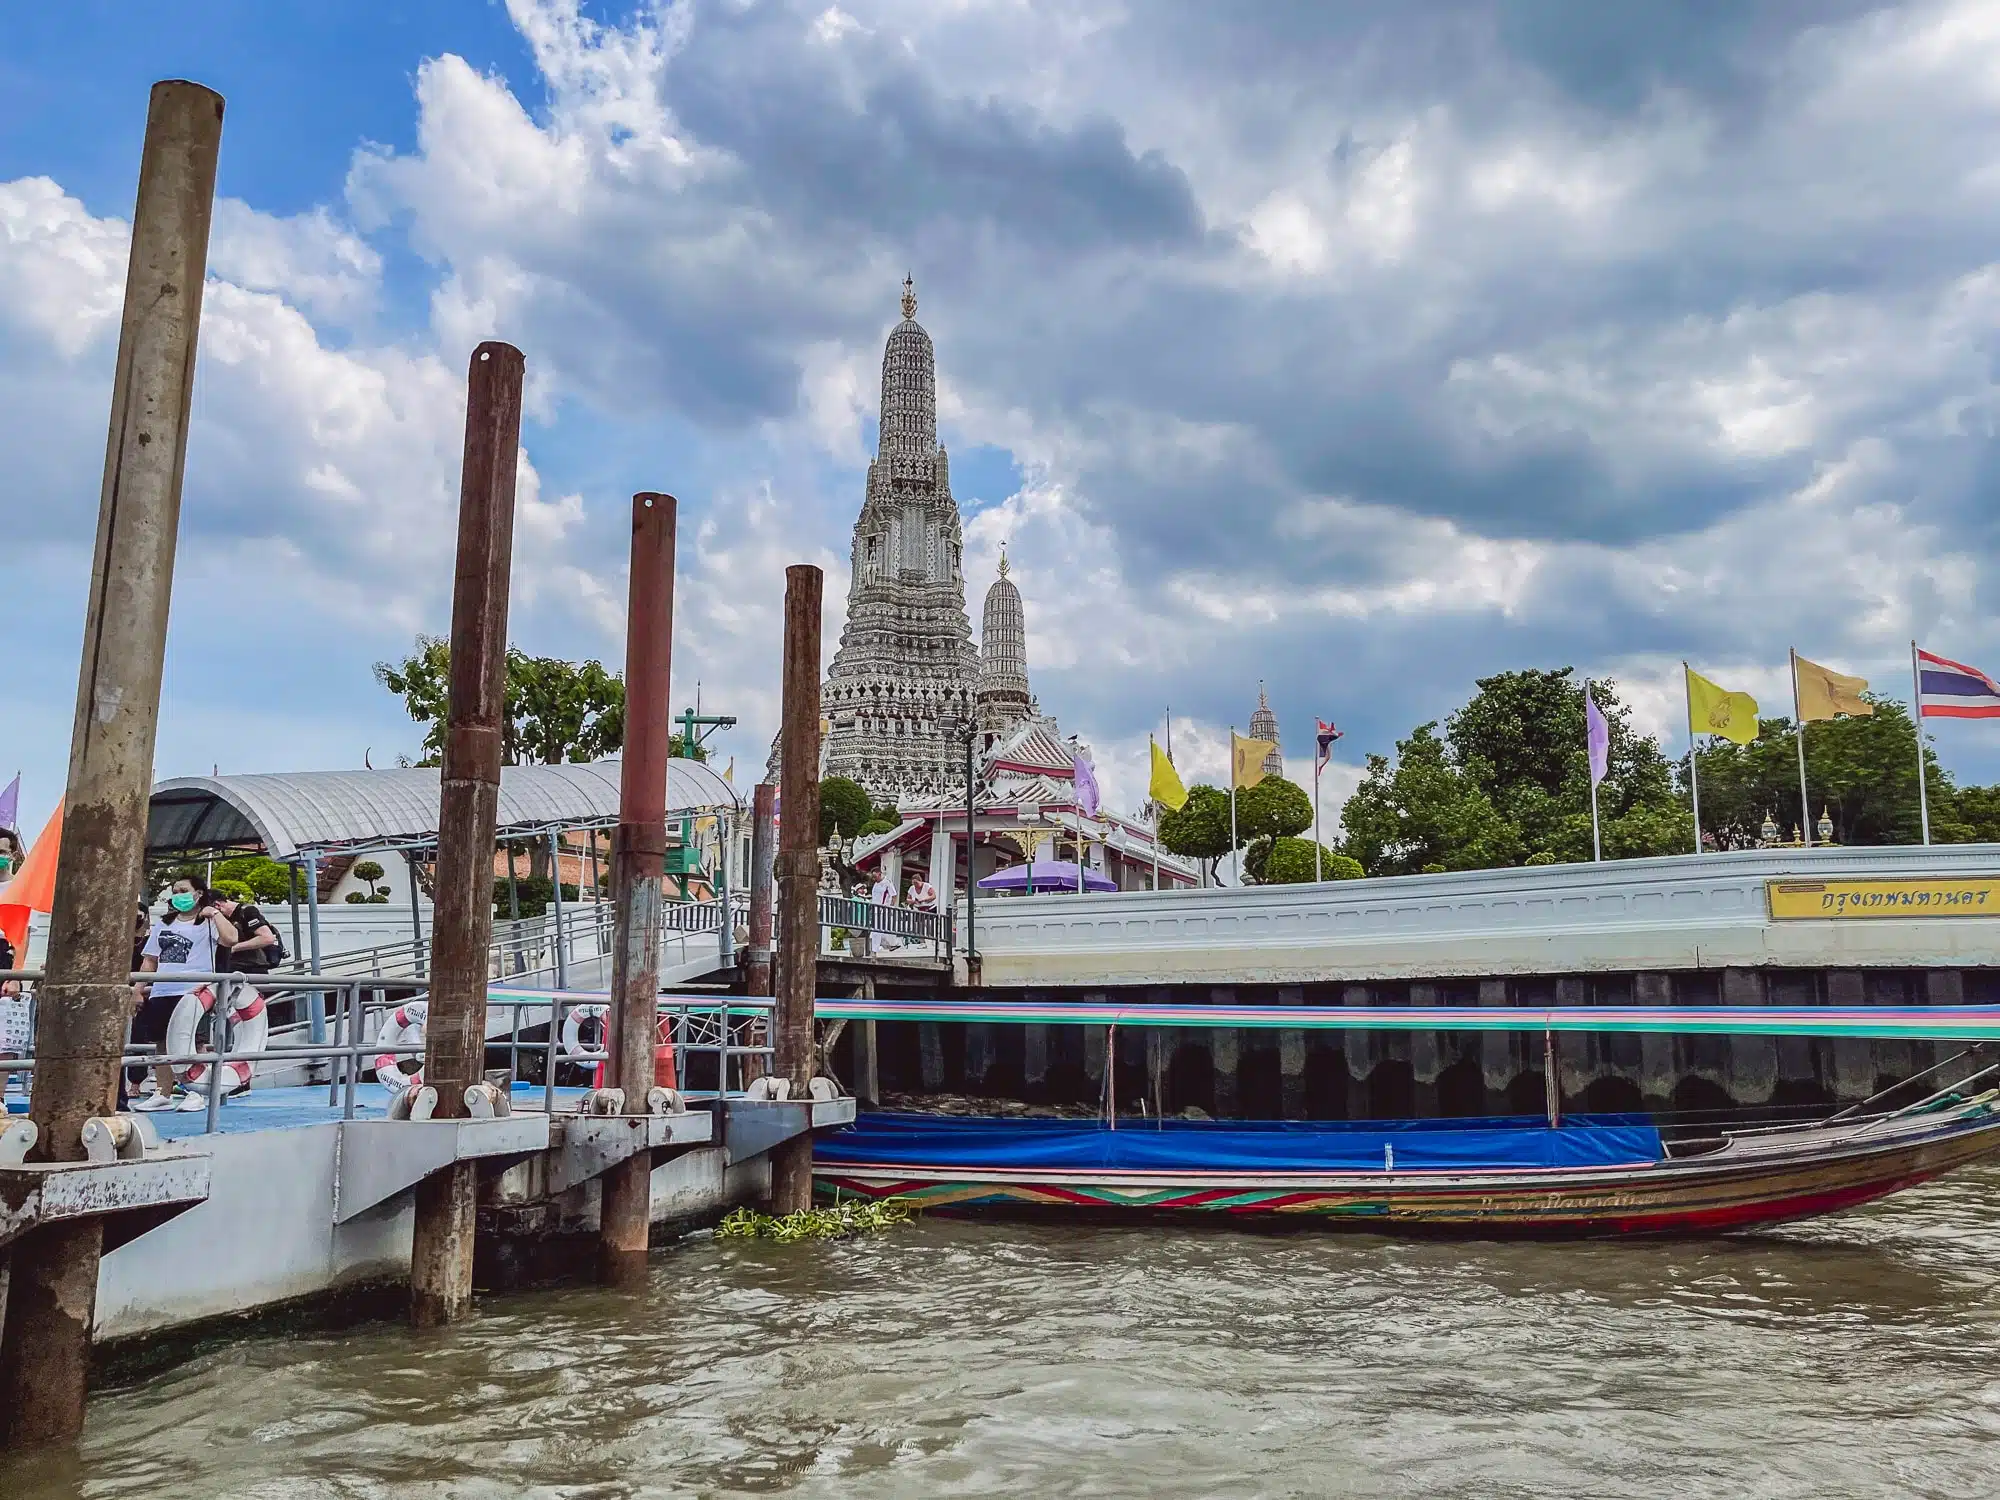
258,949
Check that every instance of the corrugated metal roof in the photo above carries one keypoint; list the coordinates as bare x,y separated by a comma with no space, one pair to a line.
294,811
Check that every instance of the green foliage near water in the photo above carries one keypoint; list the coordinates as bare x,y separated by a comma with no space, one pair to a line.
266,878
833,1222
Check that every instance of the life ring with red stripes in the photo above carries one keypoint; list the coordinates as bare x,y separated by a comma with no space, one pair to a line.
402,1027
248,1028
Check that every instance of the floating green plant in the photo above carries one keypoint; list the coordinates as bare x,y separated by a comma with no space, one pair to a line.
837,1221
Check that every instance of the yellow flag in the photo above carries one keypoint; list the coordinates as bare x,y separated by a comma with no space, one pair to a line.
1824,692
1165,787
1246,760
1713,709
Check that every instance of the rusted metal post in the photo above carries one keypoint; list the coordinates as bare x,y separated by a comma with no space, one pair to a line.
757,955
51,1294
638,863
797,960
462,906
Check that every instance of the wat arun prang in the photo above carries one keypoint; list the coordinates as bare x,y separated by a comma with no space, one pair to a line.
907,677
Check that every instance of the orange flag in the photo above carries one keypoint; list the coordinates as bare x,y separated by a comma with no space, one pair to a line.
33,887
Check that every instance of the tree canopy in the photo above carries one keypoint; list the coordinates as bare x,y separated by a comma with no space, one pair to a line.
1200,828
555,710
844,808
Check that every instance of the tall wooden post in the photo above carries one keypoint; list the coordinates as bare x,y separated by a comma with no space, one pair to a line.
797,965
757,955
638,862
462,908
50,1293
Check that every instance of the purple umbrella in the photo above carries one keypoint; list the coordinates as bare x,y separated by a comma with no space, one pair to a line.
1045,875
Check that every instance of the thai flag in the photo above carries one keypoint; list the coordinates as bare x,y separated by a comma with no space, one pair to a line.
1327,735
1951,690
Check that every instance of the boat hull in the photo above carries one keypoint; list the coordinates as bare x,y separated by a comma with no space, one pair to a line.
1752,1182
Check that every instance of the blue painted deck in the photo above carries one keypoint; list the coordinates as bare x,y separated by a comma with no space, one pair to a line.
288,1108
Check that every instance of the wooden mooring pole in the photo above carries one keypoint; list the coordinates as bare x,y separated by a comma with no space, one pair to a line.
797,961
757,956
49,1293
638,864
462,913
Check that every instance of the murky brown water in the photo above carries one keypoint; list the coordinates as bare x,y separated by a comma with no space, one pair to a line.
1857,1356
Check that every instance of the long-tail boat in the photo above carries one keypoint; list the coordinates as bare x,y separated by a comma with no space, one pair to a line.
1587,1175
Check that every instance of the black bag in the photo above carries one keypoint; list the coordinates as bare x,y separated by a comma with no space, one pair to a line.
250,922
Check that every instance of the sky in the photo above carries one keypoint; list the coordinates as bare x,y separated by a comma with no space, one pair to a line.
1360,350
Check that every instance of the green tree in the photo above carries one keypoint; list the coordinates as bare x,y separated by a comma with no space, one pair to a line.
554,710
1273,808
267,879
369,871
1861,771
1424,810
844,808
1289,861
1199,829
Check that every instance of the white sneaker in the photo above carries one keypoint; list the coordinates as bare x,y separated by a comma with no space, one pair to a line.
155,1101
193,1102
149,1085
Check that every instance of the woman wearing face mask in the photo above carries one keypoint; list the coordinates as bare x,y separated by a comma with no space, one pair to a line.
184,941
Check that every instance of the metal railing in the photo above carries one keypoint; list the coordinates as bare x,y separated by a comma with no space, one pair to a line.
732,1028
858,914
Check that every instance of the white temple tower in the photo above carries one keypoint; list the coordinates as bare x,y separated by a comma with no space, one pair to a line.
1264,726
902,684
1002,693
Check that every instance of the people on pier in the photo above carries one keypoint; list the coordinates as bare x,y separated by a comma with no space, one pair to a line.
186,940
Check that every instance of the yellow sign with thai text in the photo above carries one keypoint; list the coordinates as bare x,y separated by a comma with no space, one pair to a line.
1846,900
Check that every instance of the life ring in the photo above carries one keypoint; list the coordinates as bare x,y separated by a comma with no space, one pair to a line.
402,1027
573,1040
248,1028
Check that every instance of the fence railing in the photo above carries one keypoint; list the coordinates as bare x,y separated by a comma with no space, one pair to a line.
733,1029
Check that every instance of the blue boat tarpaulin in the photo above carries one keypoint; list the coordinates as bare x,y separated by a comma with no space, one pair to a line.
932,1141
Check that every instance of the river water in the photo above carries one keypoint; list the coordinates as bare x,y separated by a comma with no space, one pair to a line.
1854,1356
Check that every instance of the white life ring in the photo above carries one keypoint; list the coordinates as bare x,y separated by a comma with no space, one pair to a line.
249,1026
572,1031
402,1027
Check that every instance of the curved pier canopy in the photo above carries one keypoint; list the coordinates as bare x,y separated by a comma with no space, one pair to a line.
297,812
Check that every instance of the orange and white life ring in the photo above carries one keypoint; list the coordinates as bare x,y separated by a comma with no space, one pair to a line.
402,1027
243,1011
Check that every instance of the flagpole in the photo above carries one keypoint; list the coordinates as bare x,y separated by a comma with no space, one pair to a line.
1799,720
1319,761
1917,721
1694,750
1596,846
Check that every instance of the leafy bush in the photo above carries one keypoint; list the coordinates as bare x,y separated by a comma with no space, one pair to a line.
831,1223
1290,862
536,894
267,879
355,898
369,871
1540,857
235,890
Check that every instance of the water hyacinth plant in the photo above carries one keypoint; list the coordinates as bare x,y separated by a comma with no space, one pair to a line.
837,1221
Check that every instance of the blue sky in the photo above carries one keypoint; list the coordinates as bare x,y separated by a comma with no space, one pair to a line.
1360,350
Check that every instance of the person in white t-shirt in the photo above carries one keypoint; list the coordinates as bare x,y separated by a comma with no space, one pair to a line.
184,941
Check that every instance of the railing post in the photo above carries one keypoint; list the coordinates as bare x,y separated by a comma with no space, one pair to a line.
797,965
555,886
416,917
80,1022
316,1001
638,865
469,795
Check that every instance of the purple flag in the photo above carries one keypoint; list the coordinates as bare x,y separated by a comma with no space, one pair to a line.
1086,786
10,804
1598,735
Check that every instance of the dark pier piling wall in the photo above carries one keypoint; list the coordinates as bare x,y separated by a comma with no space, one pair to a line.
1235,1073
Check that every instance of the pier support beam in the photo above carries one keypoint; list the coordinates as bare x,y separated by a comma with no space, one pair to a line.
798,875
49,1297
638,864
469,798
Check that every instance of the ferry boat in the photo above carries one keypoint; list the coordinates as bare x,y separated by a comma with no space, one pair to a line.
1552,1176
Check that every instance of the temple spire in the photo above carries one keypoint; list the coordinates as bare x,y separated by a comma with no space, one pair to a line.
909,295
1003,559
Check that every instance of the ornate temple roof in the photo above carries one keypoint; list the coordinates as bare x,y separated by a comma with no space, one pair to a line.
1264,726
